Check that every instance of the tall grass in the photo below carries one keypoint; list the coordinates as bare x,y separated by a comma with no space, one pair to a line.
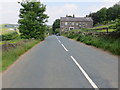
10,56
105,42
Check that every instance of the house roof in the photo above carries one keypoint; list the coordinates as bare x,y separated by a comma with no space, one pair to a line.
80,19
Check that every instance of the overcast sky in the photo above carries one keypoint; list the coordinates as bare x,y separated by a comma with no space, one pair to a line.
55,8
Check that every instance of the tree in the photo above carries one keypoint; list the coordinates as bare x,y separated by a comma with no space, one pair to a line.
94,17
102,15
32,20
118,24
56,25
113,12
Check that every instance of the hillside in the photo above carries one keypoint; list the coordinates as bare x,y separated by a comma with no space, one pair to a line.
8,28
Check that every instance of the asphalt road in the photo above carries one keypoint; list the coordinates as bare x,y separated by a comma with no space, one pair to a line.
59,62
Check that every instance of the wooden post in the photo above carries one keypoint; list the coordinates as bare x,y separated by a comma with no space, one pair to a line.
107,30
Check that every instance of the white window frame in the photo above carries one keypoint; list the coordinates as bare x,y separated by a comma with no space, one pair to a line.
77,24
66,23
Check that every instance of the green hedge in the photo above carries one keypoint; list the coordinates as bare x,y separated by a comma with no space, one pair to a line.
9,36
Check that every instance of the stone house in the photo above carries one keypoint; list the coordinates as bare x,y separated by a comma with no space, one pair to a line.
72,23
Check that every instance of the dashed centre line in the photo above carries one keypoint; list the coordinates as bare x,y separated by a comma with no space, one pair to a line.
59,41
62,45
81,69
64,48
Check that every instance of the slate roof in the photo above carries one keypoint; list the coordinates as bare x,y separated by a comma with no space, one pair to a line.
75,19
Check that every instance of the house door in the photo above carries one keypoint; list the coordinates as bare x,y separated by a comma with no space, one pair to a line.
71,28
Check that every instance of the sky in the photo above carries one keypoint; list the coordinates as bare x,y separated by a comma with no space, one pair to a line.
54,8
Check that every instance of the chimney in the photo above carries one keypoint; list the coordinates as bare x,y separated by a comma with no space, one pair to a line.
73,16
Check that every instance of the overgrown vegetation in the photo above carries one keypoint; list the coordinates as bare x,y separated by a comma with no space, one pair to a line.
9,36
107,42
11,52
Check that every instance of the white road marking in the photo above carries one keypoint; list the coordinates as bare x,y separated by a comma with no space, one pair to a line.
59,41
57,37
64,48
85,74
82,70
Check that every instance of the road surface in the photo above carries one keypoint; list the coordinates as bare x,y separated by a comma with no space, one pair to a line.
59,62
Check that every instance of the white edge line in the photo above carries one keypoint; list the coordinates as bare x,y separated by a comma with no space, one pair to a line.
85,74
64,48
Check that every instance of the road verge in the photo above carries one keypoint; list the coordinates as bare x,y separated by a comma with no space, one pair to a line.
11,52
108,42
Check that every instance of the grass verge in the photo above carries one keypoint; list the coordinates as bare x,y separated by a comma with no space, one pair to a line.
11,55
108,43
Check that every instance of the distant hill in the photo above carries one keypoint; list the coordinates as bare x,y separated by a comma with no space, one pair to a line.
11,25
8,28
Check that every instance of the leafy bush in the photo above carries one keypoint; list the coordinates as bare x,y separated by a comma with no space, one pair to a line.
57,30
9,36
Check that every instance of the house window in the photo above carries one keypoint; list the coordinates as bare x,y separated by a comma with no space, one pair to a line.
76,24
66,23
72,23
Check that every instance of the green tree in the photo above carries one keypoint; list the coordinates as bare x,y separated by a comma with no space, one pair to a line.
49,30
113,12
118,24
94,17
32,20
102,15
56,25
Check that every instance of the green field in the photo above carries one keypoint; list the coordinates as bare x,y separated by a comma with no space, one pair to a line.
103,26
5,30
94,29
109,30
